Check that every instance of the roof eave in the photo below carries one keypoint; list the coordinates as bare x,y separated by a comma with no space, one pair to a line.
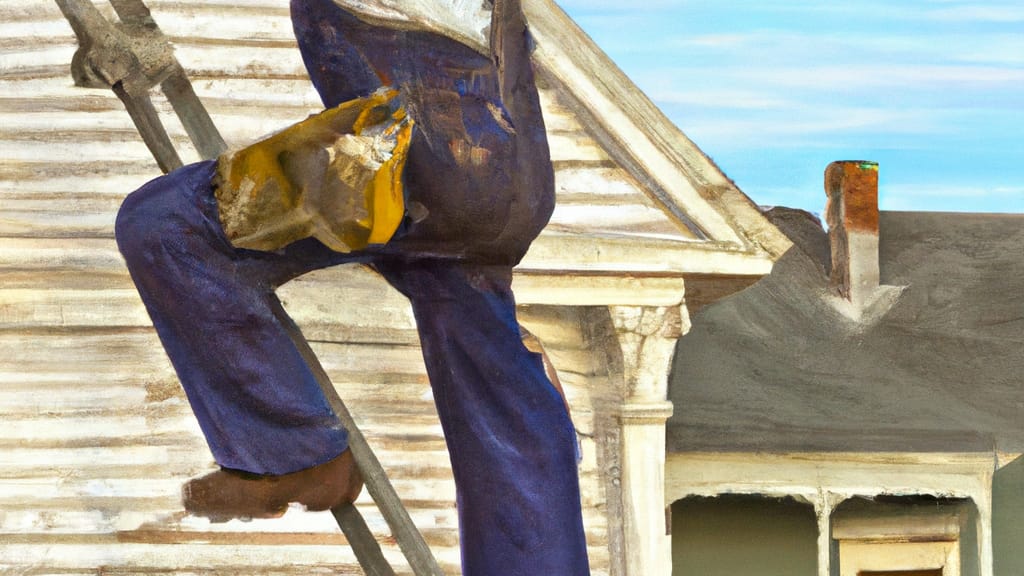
589,270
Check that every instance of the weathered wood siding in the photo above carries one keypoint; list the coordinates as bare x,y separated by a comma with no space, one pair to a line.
79,143
96,437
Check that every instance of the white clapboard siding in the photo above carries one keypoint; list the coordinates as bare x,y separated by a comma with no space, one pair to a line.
233,79
96,437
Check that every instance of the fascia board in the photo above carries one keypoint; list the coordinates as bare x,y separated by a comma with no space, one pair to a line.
627,255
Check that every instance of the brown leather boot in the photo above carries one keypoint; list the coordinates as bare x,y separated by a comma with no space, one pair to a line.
227,494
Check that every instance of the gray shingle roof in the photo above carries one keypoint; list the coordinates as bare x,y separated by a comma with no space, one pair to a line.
775,368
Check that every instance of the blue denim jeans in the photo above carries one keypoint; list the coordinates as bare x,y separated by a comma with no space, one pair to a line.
511,443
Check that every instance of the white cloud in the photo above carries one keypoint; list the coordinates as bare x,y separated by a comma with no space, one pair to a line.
616,6
843,78
956,191
977,13
789,47
735,99
819,128
957,198
729,41
904,75
992,49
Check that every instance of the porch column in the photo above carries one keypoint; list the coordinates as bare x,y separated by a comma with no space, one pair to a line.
824,504
647,336
983,502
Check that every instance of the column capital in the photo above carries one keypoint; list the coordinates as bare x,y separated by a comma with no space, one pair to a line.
647,336
658,321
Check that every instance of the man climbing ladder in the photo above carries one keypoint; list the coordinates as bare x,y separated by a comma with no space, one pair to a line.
479,174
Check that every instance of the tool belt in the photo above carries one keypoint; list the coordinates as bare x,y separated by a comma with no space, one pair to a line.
336,176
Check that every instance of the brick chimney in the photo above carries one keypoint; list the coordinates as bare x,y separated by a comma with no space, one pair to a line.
852,216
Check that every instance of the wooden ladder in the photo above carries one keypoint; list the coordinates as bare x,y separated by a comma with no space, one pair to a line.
132,57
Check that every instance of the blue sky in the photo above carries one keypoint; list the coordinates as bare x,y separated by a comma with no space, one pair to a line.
774,90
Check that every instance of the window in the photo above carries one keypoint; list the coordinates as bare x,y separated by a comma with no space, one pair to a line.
908,538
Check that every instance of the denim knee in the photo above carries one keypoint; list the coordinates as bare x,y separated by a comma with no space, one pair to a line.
162,208
135,226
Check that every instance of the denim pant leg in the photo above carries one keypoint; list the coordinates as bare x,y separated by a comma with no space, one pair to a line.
511,442
215,311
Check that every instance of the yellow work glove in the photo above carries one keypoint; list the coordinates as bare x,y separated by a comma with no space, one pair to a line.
336,176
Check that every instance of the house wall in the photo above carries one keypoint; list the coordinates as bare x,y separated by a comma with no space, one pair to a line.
1008,519
743,536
